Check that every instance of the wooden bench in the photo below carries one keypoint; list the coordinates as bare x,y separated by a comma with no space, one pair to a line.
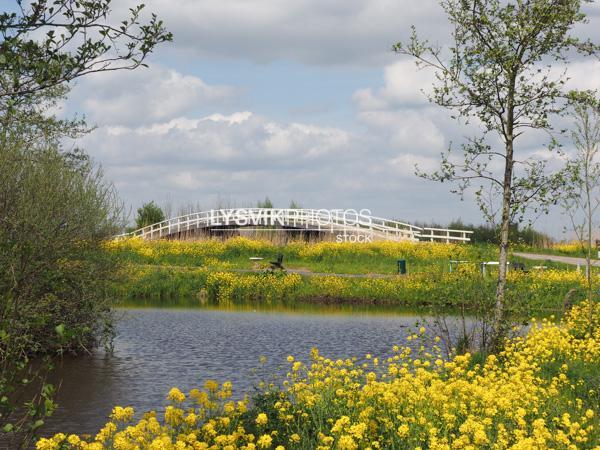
519,266
278,264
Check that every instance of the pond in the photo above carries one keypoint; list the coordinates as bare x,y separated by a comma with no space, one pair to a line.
159,347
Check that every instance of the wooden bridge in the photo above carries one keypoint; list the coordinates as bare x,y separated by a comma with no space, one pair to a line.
345,225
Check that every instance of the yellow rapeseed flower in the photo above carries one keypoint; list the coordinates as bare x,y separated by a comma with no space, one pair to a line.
261,419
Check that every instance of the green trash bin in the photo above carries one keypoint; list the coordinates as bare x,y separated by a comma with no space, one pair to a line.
402,266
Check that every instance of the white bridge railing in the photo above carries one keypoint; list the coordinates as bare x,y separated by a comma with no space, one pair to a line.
340,222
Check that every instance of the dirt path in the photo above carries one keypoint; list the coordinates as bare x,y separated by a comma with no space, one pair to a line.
557,258
308,273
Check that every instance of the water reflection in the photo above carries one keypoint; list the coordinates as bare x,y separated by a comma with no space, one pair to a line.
279,307
160,347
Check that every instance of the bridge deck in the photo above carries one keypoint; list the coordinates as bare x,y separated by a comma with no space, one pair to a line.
338,222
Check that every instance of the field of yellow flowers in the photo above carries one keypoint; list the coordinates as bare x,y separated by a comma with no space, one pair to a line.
540,392
375,257
529,292
206,269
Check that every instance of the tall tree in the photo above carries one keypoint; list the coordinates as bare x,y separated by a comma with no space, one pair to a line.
497,72
582,199
148,214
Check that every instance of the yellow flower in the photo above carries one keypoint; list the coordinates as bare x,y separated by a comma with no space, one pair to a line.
261,419
347,443
122,414
73,439
46,444
403,430
176,395
264,441
211,385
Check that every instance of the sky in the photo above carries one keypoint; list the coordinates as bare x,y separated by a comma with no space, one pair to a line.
292,99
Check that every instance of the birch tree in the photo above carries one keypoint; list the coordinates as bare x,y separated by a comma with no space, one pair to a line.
498,72
582,199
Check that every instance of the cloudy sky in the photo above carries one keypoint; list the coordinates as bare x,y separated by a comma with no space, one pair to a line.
294,99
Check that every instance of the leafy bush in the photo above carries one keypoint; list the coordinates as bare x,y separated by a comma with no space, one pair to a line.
55,212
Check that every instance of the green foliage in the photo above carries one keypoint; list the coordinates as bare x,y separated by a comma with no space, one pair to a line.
488,234
168,269
148,214
56,210
44,44
267,203
160,282
55,207
327,257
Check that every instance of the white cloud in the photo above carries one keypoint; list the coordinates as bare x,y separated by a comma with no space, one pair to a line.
399,114
185,180
239,140
584,75
321,32
406,164
145,96
244,156
404,85
407,131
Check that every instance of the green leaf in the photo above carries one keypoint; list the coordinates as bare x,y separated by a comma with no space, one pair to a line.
49,407
7,428
60,329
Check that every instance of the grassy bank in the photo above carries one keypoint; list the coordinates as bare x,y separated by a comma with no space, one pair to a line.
541,391
207,270
530,292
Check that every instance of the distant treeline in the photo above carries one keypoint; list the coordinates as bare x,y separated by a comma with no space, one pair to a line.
491,234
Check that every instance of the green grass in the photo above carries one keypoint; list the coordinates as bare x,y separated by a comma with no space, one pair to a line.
378,258
215,271
440,290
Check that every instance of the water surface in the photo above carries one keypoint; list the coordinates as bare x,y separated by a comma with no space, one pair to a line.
157,348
